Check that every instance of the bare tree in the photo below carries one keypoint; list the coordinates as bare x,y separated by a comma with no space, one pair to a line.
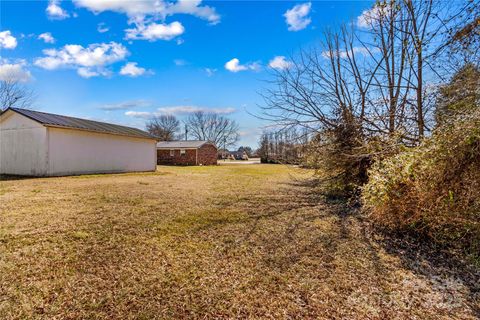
326,91
212,127
284,146
364,91
164,127
325,86
409,36
389,47
14,94
462,41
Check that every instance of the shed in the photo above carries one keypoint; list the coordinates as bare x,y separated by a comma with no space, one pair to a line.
43,144
187,153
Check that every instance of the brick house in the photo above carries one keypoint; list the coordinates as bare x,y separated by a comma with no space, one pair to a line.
186,153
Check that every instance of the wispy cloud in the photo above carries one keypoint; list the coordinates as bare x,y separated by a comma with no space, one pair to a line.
178,110
180,62
364,51
125,105
210,71
102,27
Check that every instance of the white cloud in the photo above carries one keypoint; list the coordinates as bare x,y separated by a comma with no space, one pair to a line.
125,105
86,73
102,28
144,15
372,16
177,110
47,37
7,41
139,114
155,31
131,70
162,9
14,71
279,63
91,72
297,17
54,11
89,61
131,8
235,66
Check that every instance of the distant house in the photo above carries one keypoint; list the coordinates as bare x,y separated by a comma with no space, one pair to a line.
44,144
223,154
239,155
187,153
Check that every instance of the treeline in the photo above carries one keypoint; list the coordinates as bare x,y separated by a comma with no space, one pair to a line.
286,146
390,105
200,125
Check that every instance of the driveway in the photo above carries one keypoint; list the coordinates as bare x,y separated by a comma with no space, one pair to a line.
250,161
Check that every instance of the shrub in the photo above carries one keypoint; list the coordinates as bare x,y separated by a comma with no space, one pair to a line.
433,189
338,156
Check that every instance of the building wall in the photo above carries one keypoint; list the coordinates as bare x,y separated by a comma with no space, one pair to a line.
188,159
23,145
80,152
207,155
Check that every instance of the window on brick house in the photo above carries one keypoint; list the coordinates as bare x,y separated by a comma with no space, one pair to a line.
182,152
172,153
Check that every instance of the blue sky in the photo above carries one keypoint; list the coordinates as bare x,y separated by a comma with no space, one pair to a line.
123,61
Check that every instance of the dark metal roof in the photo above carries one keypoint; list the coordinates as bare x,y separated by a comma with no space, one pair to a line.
56,120
181,144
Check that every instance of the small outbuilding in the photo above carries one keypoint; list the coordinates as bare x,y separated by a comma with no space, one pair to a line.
43,144
186,153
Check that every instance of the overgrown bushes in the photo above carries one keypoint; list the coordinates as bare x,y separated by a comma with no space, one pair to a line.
339,158
369,99
432,189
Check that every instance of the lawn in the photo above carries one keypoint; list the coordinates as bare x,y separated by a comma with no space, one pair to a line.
249,241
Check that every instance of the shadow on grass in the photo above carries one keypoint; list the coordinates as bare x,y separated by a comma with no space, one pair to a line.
421,256
295,209
8,177
436,263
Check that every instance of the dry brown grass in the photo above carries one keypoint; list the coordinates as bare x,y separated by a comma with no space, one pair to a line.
204,242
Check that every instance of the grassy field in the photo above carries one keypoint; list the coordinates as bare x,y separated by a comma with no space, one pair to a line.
251,241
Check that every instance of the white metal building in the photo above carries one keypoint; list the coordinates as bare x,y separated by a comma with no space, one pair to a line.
43,144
